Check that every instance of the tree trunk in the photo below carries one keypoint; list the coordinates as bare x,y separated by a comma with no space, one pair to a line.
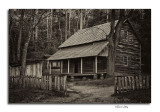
77,25
12,48
51,22
20,35
66,19
36,28
47,28
111,60
69,24
59,27
24,56
81,20
113,41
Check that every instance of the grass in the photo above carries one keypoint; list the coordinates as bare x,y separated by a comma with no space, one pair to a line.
96,94
140,96
102,83
28,95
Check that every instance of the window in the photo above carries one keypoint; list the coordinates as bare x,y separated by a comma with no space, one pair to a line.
55,64
124,35
119,59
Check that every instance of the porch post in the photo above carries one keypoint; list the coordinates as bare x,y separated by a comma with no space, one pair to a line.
96,64
47,64
68,65
81,65
61,66
50,67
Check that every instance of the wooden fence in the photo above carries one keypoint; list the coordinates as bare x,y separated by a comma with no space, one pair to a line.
34,70
44,82
130,83
60,82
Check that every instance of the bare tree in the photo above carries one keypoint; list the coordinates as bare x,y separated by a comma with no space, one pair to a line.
113,38
31,26
66,24
20,34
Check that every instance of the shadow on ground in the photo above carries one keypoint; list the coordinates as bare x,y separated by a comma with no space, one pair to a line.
80,92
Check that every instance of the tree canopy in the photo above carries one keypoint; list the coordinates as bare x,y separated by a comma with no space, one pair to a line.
51,27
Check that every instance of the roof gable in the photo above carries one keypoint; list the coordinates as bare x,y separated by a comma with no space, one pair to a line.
92,49
88,35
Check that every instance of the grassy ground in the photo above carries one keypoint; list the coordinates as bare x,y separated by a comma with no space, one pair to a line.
142,96
80,92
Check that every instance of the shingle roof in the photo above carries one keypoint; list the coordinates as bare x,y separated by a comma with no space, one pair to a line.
79,51
88,35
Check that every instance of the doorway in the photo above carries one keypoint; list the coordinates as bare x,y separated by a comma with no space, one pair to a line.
76,66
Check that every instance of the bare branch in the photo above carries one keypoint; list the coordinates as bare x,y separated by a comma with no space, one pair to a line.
130,13
40,19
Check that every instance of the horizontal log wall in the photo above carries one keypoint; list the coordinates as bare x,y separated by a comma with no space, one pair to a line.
128,50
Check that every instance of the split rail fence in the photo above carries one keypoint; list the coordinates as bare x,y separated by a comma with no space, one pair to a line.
131,83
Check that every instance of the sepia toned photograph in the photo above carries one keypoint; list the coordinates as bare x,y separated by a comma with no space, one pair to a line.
79,56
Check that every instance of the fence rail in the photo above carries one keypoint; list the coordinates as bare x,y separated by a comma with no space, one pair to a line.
44,82
130,83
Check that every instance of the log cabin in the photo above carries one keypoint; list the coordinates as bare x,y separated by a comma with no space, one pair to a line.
85,52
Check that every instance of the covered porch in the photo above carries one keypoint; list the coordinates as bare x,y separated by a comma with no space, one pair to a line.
90,59
84,65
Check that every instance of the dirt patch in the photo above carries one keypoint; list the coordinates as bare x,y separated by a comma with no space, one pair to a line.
80,92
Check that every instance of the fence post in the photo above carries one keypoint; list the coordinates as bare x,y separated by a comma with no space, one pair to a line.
115,85
55,82
50,82
122,81
58,83
64,82
126,83
140,81
147,82
119,84
131,78
42,82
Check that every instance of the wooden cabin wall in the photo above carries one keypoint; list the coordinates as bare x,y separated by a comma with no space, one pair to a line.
128,57
101,64
89,65
65,66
